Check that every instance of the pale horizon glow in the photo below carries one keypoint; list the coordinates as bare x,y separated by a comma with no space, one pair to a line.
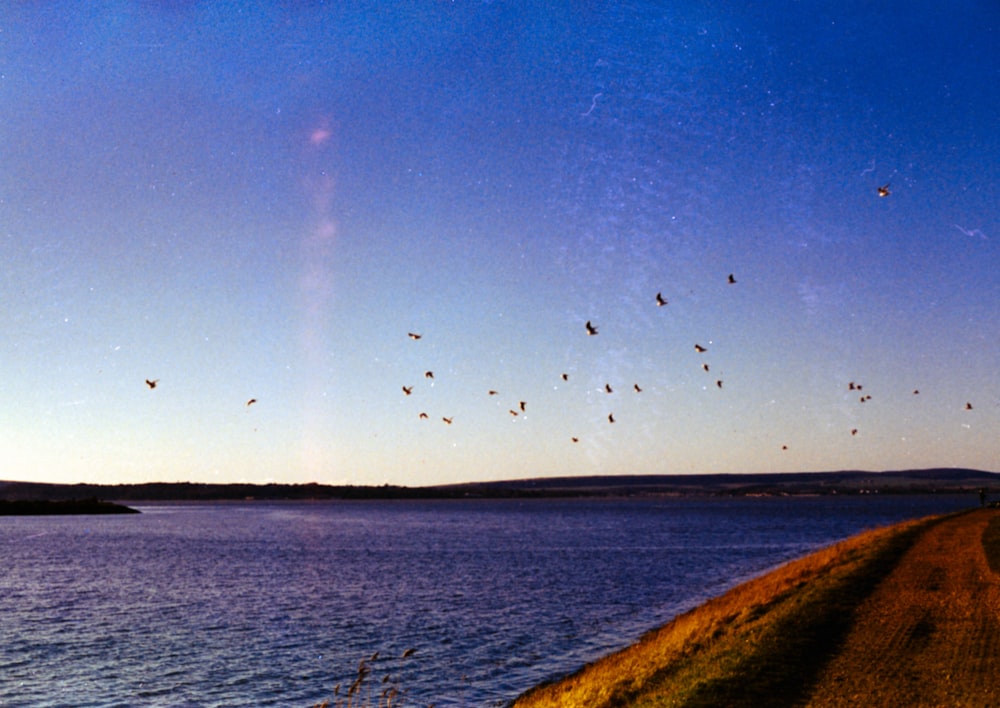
264,205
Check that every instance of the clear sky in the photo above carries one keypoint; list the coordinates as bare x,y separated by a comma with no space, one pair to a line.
261,202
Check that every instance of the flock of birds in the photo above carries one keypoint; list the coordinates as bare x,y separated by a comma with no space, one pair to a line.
592,330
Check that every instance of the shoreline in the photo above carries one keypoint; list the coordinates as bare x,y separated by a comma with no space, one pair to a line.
67,507
777,484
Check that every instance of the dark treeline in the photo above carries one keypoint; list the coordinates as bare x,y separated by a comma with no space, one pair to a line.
38,507
933,481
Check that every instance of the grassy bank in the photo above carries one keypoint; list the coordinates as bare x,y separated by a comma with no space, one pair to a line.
762,643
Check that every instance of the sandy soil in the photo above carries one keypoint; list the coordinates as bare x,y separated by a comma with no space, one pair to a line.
930,633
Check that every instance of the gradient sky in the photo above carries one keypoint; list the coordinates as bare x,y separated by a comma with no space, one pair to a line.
263,201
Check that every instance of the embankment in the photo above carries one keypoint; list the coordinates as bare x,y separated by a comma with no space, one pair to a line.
903,616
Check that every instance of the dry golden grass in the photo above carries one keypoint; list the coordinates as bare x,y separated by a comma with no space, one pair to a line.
762,643
930,633
368,691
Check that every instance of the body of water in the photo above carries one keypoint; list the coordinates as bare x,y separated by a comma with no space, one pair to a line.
275,603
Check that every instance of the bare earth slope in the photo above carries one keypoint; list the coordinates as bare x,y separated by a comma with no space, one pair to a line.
930,633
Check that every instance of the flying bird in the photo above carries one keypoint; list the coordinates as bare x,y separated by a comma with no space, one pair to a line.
611,417
916,391
492,392
660,301
576,440
251,402
705,367
854,431
513,412
636,387
423,416
732,279
968,406
565,377
591,329
700,349
522,404
719,383
407,390
883,191
413,336
608,389
428,374
152,384
447,420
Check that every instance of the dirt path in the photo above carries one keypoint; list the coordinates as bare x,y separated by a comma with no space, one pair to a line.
930,633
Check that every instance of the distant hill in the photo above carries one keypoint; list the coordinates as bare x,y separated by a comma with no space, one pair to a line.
925,481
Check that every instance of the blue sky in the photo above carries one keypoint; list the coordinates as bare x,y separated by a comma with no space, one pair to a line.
262,201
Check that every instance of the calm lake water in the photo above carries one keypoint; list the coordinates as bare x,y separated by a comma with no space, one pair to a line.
275,603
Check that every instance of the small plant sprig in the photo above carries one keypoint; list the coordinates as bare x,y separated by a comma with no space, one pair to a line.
361,692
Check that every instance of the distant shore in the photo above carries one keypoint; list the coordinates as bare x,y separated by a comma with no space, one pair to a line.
69,507
900,616
847,482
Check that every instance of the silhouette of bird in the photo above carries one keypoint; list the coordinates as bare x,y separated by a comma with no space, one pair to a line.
636,387
660,302
447,420
513,412
719,383
916,391
854,431
423,416
968,406
591,329
251,402
492,392
608,389
705,367
576,440
784,447
565,377
152,384
850,386
611,417
407,390
413,336
428,374
700,349
732,279
522,405
883,191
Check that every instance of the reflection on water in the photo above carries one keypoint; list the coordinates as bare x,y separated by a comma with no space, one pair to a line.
274,604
